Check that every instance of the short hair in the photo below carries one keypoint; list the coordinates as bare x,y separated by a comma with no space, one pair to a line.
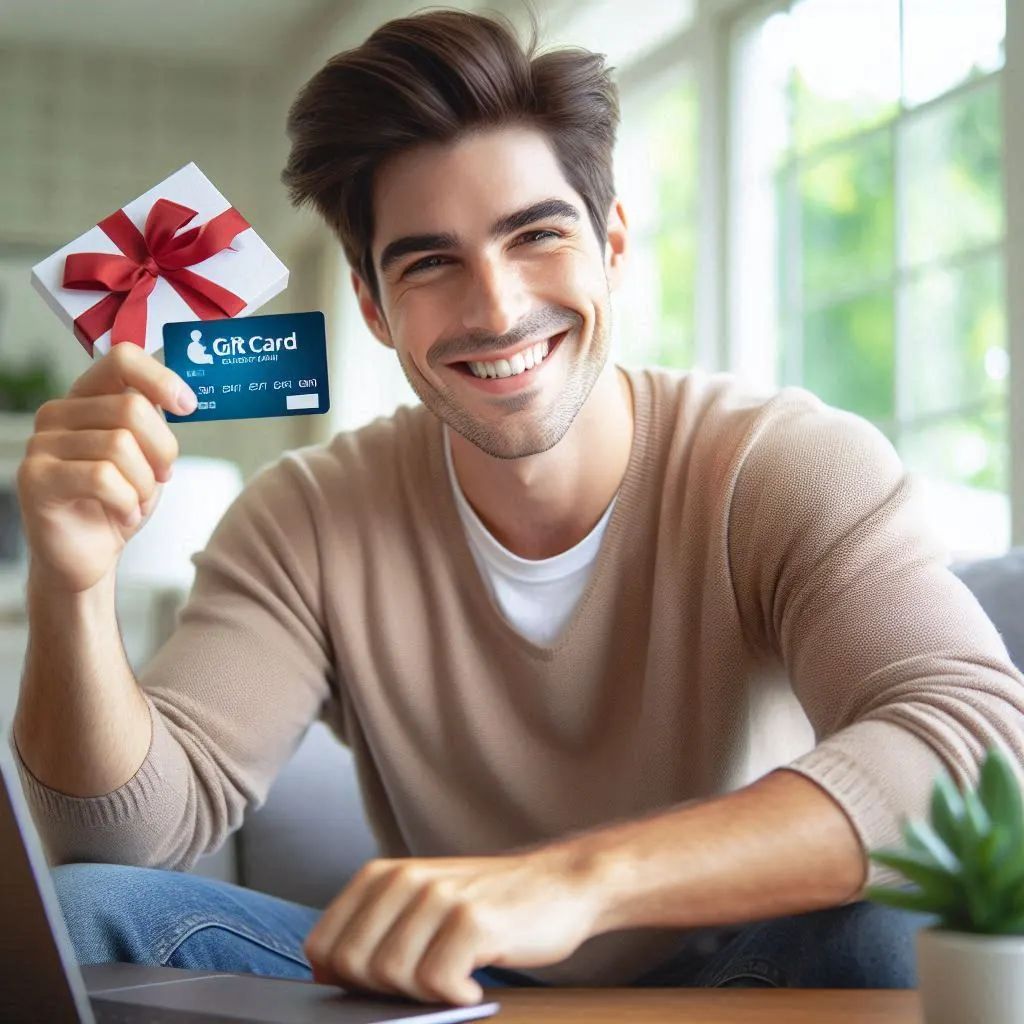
435,77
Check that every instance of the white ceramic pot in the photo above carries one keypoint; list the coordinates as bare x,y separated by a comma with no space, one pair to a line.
970,979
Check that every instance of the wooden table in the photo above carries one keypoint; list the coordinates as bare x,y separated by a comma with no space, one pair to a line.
705,1006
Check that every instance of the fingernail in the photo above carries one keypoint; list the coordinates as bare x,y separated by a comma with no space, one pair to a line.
187,399
135,517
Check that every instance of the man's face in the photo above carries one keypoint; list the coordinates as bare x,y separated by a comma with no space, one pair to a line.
494,289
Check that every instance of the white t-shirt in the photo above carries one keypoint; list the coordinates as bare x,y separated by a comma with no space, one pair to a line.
536,596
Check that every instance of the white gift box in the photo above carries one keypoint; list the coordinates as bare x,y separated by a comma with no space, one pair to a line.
248,268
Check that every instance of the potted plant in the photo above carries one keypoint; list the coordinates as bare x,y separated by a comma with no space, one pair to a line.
965,866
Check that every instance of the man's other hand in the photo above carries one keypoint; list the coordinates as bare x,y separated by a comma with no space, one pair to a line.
419,927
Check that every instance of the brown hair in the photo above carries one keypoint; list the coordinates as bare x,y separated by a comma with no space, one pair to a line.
433,77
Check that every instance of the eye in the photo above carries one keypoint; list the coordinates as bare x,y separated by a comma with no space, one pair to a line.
427,263
540,235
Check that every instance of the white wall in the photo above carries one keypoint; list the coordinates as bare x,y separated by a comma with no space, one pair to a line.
82,134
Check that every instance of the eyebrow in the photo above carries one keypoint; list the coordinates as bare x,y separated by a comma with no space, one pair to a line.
544,210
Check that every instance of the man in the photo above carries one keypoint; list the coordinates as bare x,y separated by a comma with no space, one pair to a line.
635,669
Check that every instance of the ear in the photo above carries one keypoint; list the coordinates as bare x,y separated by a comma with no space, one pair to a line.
617,246
371,311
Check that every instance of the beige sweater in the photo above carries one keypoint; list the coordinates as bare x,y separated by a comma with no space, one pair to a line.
765,595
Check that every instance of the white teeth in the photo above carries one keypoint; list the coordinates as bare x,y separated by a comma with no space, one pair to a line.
519,363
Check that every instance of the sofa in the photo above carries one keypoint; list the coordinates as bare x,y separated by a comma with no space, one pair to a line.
310,836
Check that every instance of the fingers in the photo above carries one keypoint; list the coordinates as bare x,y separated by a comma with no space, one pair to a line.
449,961
378,933
71,481
343,940
115,414
118,446
107,440
127,366
399,958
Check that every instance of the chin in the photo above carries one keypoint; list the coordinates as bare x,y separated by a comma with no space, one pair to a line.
522,433
499,445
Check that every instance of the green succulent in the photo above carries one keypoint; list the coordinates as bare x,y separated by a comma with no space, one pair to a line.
966,864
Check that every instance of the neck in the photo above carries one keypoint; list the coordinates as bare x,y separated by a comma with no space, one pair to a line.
544,504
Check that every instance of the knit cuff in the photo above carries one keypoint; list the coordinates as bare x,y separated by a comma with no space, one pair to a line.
879,774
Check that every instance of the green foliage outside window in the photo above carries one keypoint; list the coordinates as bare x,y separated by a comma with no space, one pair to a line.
676,238
657,176
890,230
898,312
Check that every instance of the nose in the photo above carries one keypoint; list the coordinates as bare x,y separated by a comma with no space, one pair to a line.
496,298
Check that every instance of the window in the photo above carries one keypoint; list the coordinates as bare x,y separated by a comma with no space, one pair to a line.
654,312
656,168
867,231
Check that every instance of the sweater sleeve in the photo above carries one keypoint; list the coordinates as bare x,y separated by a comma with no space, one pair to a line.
895,663
230,693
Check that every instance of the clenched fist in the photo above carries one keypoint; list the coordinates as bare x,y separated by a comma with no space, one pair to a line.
420,927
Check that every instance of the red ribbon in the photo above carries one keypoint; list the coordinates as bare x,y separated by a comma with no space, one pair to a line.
155,252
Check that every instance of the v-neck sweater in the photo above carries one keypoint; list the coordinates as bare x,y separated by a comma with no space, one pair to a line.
767,594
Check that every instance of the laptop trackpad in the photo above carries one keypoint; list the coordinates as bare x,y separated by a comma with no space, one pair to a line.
279,1001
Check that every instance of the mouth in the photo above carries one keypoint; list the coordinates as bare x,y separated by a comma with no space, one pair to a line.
522,364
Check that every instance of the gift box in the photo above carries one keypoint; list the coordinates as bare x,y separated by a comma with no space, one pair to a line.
179,252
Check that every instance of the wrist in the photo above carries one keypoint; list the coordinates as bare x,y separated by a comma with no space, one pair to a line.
47,597
599,873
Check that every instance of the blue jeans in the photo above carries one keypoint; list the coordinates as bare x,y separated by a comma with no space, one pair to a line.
142,915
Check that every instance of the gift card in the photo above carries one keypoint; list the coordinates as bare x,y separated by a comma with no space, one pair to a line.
247,367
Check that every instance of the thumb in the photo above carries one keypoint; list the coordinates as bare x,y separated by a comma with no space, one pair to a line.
470,993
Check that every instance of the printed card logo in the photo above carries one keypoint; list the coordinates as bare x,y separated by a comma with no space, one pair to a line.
196,350
256,349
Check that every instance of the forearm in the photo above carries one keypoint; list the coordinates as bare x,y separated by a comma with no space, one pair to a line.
780,846
82,725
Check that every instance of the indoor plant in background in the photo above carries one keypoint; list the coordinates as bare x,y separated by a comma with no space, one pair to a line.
966,867
26,387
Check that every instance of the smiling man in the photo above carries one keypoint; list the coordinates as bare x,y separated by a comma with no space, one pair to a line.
635,668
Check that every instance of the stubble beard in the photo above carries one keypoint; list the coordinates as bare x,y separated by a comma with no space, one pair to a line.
509,438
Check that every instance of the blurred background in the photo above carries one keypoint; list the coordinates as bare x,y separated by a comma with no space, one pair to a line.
827,193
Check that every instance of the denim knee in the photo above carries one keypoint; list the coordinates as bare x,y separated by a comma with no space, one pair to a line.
100,904
860,945
152,916
868,945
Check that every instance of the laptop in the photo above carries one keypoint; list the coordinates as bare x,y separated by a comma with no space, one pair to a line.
41,981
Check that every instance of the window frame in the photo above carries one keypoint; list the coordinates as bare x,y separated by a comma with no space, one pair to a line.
1013,174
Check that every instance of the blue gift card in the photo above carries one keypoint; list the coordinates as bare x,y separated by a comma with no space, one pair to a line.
245,367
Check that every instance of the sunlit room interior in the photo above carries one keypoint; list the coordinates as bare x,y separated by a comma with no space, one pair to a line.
824,194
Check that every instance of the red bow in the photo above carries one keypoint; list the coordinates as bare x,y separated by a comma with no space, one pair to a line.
156,252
